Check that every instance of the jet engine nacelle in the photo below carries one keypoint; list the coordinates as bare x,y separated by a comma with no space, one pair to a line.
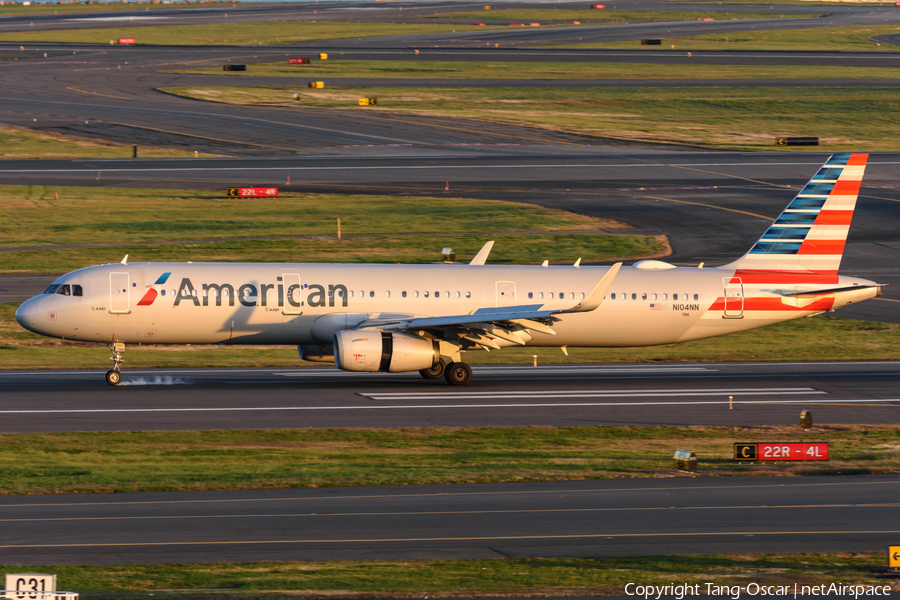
317,353
368,351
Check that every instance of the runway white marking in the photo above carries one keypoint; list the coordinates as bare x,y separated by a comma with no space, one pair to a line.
111,19
652,393
564,395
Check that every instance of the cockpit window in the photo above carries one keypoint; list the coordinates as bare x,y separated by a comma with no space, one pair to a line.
52,289
76,290
64,290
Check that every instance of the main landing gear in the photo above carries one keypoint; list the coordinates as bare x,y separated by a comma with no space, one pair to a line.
114,376
435,372
456,373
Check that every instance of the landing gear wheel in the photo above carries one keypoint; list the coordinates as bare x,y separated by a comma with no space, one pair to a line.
435,372
113,377
458,373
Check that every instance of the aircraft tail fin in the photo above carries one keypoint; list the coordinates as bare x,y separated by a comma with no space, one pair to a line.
810,234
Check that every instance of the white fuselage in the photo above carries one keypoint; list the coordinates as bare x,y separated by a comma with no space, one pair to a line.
303,304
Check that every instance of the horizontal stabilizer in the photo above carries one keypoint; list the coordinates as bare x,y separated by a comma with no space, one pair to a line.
849,288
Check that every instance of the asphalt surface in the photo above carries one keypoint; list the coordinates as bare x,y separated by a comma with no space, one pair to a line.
404,12
712,206
632,517
565,395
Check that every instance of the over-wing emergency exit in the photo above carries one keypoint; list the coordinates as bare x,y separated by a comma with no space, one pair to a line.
425,318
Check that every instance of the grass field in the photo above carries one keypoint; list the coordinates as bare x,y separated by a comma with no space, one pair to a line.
207,226
19,142
242,34
72,215
719,118
106,462
51,8
540,70
558,248
817,38
818,339
464,578
552,14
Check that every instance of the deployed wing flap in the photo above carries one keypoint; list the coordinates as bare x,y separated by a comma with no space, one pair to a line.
485,315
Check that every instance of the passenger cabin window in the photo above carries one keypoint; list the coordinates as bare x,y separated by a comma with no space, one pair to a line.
674,296
643,296
613,296
634,296
655,296
665,296
387,294
696,296
371,294
530,295
468,294
403,294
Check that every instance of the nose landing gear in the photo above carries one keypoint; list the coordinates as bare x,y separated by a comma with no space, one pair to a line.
114,376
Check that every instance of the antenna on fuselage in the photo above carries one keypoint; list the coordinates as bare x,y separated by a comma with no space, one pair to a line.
125,260
577,264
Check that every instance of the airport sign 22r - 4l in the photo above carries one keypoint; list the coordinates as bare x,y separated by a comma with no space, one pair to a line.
781,451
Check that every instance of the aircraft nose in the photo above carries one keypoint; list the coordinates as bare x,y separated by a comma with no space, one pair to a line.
26,315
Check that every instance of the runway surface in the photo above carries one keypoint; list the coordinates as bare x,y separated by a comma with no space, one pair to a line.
825,16
564,395
558,519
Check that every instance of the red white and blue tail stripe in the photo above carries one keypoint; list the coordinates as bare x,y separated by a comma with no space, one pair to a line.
810,234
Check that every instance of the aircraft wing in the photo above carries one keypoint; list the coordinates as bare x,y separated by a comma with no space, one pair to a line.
484,325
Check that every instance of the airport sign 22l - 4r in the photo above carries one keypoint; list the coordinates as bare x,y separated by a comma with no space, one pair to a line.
781,451
252,192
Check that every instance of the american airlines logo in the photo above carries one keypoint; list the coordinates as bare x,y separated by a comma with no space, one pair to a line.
152,293
251,294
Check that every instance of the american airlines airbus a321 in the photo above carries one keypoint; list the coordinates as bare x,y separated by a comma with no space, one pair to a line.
425,317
